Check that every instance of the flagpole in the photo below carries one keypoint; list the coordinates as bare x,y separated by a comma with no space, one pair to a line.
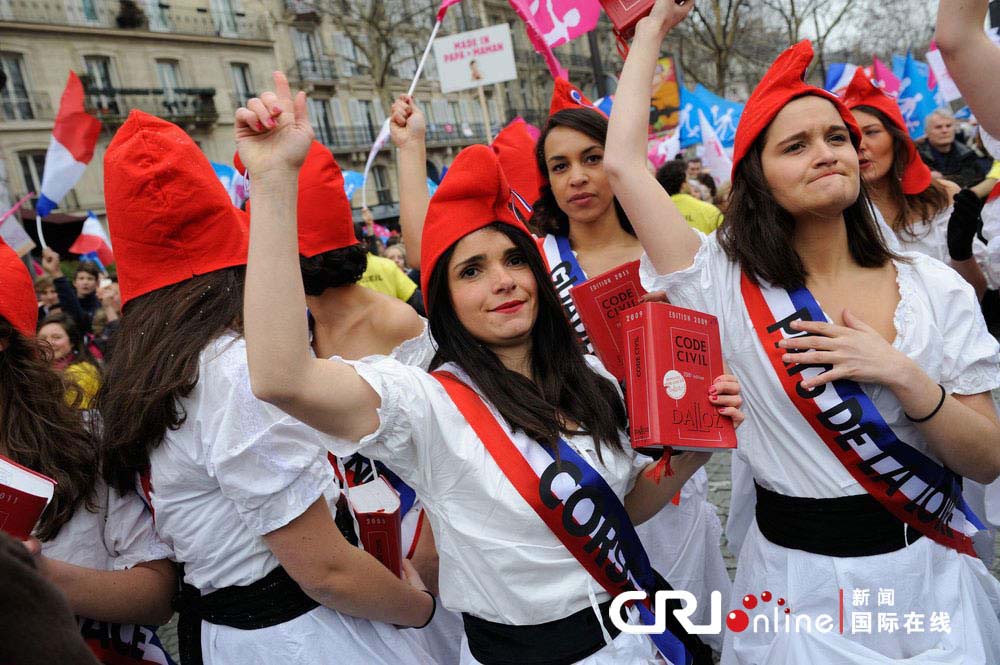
383,134
38,228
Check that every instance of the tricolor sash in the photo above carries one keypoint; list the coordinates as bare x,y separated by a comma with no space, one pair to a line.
123,644
909,484
577,504
566,273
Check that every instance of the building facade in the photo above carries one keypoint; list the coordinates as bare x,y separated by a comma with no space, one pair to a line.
194,62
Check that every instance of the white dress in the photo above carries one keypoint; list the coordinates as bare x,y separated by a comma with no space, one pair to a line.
117,535
939,325
498,559
684,540
235,470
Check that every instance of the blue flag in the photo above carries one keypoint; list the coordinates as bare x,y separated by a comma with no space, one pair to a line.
352,180
916,99
721,113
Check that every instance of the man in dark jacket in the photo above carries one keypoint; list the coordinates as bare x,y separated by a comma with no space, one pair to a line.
79,299
949,157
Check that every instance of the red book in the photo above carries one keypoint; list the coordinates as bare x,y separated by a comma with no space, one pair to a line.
672,357
376,507
600,302
23,496
624,14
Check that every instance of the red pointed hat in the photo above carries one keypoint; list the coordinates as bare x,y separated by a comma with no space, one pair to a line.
862,92
170,218
324,214
565,95
515,149
782,83
17,293
473,194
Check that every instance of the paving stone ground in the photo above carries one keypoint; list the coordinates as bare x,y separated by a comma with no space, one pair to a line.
719,486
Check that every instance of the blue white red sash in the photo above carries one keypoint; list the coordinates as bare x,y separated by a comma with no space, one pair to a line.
576,503
913,487
566,273
123,644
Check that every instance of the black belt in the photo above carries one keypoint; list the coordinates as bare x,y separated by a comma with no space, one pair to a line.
843,527
565,640
269,601
560,642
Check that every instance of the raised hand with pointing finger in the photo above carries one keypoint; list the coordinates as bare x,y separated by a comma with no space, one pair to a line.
273,130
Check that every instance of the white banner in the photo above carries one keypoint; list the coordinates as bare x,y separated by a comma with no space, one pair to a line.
475,58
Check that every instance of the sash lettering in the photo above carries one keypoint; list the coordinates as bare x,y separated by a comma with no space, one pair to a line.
909,484
566,273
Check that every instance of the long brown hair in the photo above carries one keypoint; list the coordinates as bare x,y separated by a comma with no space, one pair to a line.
547,217
757,233
924,206
155,365
40,430
563,386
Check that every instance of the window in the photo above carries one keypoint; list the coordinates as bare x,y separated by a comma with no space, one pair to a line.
344,49
14,100
224,17
32,167
382,188
168,73
156,12
242,86
405,56
368,118
306,45
319,116
101,94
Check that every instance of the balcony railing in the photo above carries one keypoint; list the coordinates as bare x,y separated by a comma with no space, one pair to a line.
317,69
179,105
26,106
536,117
302,8
463,133
147,15
346,137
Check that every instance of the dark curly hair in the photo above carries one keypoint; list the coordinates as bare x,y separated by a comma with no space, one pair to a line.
547,217
40,430
338,267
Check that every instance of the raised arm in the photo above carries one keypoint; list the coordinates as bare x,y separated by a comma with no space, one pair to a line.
666,237
972,59
408,128
273,136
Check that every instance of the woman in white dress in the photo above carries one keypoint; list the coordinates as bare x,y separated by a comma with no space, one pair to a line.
855,416
585,233
483,445
97,547
238,495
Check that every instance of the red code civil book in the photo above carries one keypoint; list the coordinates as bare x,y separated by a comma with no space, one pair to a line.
672,356
23,496
600,302
624,14
376,507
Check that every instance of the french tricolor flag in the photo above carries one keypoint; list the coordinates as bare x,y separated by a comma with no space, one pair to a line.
94,240
74,137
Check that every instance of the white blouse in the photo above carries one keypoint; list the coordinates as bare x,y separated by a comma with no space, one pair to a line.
498,559
938,324
235,470
117,535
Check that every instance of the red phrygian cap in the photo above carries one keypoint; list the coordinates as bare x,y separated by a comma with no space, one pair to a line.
473,194
782,83
169,216
324,214
17,293
862,92
515,149
565,95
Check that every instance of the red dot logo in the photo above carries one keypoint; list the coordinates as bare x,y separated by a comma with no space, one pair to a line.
781,601
765,596
749,601
788,610
737,621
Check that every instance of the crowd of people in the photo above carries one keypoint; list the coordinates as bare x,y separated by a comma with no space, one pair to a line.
208,409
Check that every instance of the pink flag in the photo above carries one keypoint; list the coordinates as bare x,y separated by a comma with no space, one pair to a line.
445,4
562,21
883,77
537,35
